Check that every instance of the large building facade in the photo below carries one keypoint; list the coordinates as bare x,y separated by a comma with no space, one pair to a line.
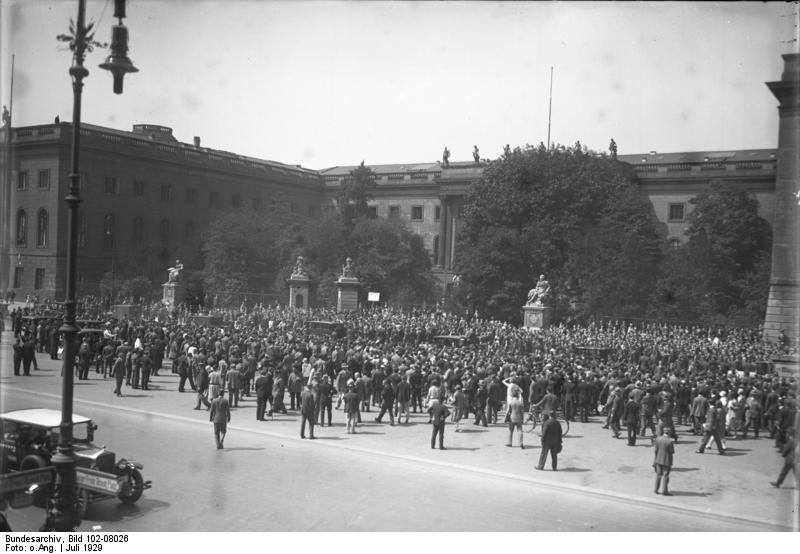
145,193
146,199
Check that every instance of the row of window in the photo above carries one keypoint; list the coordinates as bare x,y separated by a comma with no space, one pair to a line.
167,193
43,183
417,212
38,277
42,231
138,231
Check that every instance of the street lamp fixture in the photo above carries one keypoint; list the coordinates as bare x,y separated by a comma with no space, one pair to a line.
118,62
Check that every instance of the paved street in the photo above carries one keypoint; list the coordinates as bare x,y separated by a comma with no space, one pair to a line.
387,478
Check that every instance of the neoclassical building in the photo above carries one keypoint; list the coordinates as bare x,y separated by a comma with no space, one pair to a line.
145,191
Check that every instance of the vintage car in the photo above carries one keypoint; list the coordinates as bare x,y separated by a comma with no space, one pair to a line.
29,439
327,328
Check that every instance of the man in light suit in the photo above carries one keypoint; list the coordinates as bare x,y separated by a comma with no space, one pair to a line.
664,450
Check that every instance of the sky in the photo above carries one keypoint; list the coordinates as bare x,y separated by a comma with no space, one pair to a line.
322,84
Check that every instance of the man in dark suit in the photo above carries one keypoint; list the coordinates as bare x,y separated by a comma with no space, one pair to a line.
17,347
387,402
551,440
631,417
439,414
28,355
585,396
664,449
263,388
308,412
221,416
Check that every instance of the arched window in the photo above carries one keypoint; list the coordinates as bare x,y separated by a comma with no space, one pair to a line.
188,231
41,228
137,233
22,228
108,231
163,230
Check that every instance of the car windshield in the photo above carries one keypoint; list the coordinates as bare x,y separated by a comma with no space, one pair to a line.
80,432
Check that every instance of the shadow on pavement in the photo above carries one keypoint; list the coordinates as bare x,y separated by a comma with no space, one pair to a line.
684,469
324,439
460,448
113,511
683,493
574,469
368,433
242,448
474,431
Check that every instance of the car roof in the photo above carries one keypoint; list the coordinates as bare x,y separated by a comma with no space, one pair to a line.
42,417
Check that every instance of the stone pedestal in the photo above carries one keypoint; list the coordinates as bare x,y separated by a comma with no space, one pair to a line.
536,318
299,289
174,294
347,298
783,303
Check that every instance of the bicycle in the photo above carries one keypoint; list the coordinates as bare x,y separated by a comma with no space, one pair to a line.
534,419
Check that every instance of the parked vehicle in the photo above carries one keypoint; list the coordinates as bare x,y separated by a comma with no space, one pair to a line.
29,439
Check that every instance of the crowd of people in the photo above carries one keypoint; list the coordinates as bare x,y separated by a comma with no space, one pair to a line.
651,377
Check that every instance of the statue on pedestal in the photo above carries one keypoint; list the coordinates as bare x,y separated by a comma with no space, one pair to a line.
446,156
299,270
476,154
347,269
174,272
537,295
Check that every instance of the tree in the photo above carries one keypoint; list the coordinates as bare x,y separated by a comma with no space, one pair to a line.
353,197
721,274
240,254
568,213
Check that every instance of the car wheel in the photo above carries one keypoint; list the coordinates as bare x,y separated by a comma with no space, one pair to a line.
132,490
34,461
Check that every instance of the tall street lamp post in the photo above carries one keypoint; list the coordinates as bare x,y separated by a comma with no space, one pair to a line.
62,509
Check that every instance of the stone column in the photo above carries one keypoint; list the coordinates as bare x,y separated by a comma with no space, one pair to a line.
299,287
442,231
783,303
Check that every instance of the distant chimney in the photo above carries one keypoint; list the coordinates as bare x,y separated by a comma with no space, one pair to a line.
197,142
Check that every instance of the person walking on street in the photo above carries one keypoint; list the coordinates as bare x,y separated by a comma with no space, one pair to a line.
387,402
201,382
664,451
714,428
788,454
439,414
17,347
308,412
551,440
221,416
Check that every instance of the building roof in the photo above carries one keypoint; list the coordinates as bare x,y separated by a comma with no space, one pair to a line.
699,157
383,168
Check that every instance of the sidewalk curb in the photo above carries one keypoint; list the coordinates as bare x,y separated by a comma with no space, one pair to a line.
597,493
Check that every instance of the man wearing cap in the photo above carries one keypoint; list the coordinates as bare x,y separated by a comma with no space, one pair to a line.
481,396
387,402
664,449
118,373
201,382
551,441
